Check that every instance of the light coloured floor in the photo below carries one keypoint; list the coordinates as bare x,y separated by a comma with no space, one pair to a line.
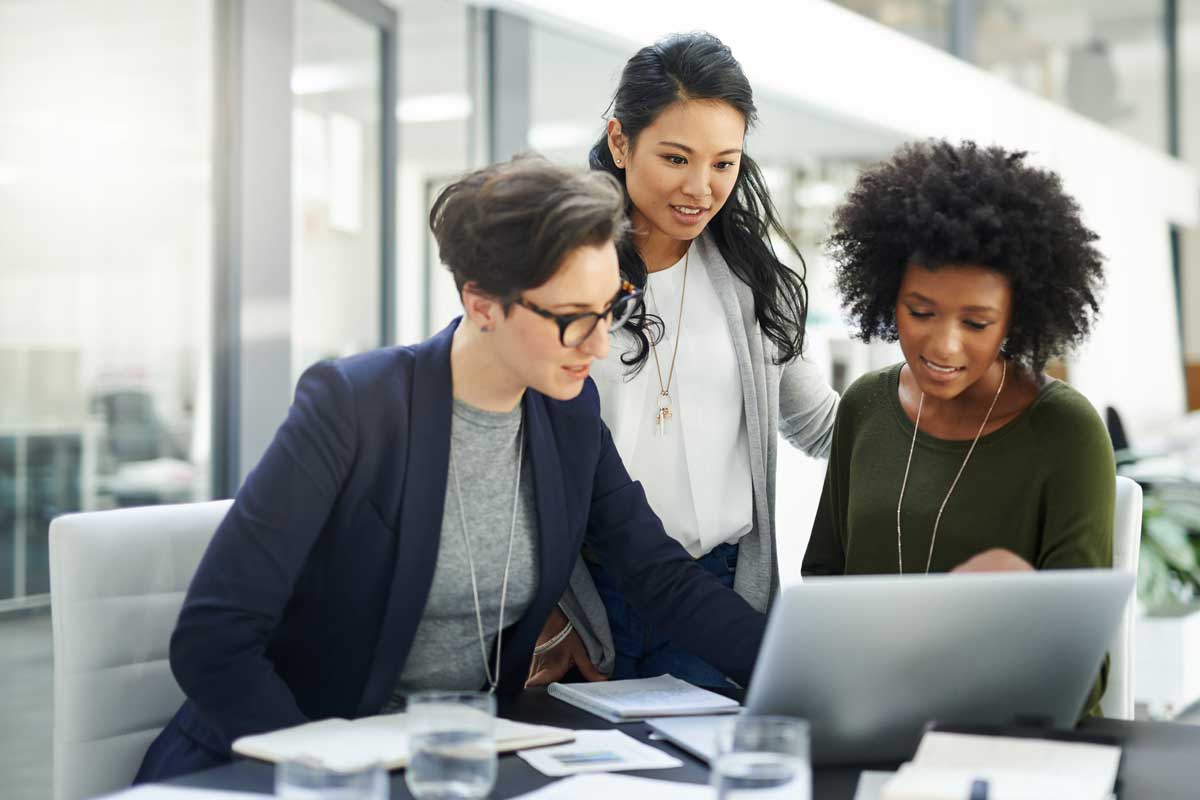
26,705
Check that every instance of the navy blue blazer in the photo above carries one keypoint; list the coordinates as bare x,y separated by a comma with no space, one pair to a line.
306,602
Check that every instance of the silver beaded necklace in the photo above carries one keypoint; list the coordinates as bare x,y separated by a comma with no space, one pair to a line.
908,464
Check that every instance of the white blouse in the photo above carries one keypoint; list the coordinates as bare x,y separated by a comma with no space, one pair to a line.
696,473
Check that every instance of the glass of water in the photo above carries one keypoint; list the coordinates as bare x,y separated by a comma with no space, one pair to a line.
762,758
452,745
310,780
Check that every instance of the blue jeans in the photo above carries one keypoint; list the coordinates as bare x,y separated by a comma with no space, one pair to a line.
643,652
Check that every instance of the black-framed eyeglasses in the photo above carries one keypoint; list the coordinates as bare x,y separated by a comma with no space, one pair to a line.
574,329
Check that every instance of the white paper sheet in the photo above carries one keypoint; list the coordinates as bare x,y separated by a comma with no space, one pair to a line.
154,791
625,787
870,784
597,751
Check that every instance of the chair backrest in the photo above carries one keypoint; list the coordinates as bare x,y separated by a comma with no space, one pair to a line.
1127,536
117,581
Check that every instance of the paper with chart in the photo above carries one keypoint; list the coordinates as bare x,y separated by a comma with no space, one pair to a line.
597,751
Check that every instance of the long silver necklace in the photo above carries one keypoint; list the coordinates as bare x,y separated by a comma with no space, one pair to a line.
492,678
663,413
904,484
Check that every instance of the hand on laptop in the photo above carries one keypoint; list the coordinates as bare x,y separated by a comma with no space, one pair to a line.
997,559
556,662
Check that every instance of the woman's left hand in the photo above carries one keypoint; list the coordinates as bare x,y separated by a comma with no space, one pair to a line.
556,662
996,559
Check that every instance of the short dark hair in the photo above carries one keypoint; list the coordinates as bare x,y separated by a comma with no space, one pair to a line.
936,204
507,227
698,66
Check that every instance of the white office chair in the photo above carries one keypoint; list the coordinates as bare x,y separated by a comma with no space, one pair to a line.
1127,537
117,581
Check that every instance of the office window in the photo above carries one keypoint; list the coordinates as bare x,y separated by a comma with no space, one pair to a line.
441,112
336,184
104,281
1104,60
927,20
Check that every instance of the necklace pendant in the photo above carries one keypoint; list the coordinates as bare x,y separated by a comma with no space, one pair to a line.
664,413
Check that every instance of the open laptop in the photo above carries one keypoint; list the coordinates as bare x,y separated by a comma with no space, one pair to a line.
868,660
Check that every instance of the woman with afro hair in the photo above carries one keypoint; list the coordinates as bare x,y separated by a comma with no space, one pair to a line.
966,455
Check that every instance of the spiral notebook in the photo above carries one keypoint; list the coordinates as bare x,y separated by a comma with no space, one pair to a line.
344,744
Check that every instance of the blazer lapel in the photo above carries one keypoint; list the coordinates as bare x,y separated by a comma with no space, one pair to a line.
419,526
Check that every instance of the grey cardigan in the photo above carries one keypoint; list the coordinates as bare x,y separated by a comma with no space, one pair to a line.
794,399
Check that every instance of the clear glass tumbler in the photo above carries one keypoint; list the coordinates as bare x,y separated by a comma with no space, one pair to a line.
762,758
309,780
452,745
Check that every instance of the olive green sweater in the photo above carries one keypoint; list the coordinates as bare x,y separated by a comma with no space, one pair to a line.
1042,486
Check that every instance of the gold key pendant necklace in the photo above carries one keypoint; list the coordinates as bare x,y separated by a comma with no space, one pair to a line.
663,413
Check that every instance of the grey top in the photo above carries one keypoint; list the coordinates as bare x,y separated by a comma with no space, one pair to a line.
792,400
445,653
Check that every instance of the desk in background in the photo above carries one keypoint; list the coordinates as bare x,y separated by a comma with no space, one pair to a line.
1157,764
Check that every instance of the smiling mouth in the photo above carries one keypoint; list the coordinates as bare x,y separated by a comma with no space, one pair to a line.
689,210
940,368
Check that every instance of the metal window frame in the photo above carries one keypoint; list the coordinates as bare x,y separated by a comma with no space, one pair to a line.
251,379
387,23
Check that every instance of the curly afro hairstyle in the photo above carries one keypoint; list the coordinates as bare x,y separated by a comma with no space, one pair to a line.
936,204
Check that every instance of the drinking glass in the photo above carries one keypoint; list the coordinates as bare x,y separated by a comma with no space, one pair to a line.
452,745
310,780
762,758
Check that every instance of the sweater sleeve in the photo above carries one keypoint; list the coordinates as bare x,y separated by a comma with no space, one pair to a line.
1080,488
807,408
826,554
1078,501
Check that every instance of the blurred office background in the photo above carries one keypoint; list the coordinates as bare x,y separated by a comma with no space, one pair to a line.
199,198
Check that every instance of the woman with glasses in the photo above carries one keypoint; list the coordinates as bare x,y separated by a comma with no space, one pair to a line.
421,508
702,384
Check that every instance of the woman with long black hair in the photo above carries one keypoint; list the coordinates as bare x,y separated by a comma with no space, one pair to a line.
702,379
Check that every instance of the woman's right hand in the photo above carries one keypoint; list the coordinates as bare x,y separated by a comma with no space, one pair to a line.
556,662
